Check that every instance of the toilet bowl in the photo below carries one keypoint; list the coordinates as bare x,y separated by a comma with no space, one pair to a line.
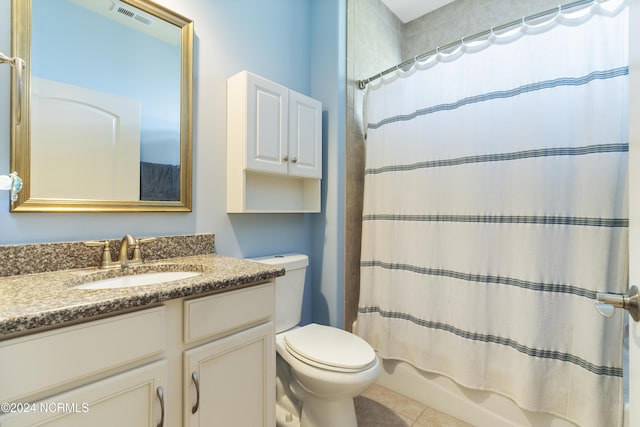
328,368
319,369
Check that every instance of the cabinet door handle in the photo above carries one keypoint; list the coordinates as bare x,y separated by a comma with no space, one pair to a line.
160,394
285,158
196,381
294,160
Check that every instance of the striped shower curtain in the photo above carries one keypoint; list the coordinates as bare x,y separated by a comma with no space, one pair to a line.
495,208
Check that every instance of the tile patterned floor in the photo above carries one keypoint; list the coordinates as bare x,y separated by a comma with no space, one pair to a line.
381,407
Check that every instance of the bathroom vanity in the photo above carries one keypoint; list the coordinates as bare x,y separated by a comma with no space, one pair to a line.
192,352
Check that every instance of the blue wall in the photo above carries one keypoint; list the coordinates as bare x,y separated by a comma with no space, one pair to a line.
297,43
328,44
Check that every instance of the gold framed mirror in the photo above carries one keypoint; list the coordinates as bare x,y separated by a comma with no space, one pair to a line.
106,106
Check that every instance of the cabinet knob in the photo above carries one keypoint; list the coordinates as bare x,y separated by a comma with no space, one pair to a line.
285,158
294,160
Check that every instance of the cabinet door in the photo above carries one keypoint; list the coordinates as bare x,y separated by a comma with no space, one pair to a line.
231,381
129,399
267,105
305,136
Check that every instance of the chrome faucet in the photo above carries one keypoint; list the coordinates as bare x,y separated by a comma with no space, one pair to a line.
123,254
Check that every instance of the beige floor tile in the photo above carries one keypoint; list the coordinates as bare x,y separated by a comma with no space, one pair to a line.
432,418
373,414
399,404
381,407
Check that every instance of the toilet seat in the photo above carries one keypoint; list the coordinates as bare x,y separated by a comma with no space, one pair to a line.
329,348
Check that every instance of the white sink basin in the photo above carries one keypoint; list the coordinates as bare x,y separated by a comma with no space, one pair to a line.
138,280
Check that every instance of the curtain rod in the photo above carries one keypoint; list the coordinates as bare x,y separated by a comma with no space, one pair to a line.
362,84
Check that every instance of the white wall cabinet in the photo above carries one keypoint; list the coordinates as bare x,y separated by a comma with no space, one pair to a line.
128,370
274,147
305,136
266,110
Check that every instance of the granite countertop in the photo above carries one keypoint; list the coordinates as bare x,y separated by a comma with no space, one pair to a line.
29,302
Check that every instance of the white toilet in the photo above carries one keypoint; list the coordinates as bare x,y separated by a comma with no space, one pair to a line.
320,369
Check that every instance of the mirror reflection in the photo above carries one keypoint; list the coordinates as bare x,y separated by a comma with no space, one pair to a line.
109,106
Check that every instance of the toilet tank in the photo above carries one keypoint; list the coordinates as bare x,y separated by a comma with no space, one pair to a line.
289,288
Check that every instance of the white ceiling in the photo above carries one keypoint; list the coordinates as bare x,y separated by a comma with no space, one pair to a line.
408,10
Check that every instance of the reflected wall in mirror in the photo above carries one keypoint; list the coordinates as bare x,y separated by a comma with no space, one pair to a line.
107,120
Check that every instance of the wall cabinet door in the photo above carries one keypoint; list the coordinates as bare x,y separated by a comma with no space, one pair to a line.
231,381
129,399
284,128
267,141
305,136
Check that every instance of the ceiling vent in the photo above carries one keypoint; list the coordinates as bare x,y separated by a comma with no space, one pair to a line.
129,12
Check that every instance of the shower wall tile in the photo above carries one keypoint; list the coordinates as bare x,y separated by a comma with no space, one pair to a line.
377,38
464,18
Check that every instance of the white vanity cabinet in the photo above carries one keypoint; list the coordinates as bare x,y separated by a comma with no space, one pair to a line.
137,369
274,147
95,373
230,380
230,383
131,399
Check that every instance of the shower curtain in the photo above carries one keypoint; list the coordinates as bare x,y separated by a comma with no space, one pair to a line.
495,208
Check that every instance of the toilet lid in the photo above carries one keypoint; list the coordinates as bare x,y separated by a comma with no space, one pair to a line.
329,348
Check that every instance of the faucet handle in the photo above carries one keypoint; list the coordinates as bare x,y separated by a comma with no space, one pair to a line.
106,262
136,258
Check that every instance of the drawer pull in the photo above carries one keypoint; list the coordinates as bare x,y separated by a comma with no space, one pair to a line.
160,394
196,381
